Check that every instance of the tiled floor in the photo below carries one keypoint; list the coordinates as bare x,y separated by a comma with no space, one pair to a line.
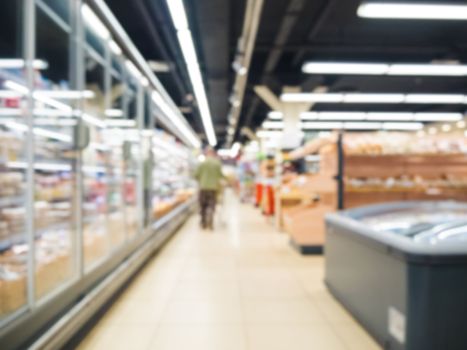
240,287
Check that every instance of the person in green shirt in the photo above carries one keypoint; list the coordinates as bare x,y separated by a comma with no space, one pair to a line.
209,176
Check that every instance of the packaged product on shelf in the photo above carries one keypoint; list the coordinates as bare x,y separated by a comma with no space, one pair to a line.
12,279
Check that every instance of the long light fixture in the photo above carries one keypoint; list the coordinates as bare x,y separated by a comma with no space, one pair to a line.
171,114
354,125
180,22
22,128
91,120
17,63
66,94
431,11
347,68
94,23
373,116
40,96
115,48
300,97
373,98
40,166
9,94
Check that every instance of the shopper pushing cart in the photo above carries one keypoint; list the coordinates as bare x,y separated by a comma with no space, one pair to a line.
209,176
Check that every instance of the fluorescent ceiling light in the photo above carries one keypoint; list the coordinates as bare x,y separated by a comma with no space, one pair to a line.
66,94
428,69
144,81
374,116
275,115
322,125
435,98
345,68
189,53
341,116
180,22
94,22
373,98
115,48
16,126
395,116
16,63
312,97
89,119
438,117
178,14
48,112
52,135
413,11
133,70
461,124
309,116
40,96
40,166
38,131
273,125
12,85
113,113
403,126
51,102
174,118
363,126
9,94
55,122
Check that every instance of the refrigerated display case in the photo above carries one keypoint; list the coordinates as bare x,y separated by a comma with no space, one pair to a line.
173,183
76,124
401,270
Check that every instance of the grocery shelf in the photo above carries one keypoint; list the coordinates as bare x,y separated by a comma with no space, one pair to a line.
20,238
12,201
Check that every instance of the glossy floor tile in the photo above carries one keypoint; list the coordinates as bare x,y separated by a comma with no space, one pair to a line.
240,287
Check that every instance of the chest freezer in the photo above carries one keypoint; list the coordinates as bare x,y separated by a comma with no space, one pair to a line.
401,270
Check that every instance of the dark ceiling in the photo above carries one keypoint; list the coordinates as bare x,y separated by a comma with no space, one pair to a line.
290,33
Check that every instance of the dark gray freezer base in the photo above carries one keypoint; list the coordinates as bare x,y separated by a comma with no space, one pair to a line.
307,249
369,278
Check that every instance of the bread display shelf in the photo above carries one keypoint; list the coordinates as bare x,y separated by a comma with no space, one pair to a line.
431,166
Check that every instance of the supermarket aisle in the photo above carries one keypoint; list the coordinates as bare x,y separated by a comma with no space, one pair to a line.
241,287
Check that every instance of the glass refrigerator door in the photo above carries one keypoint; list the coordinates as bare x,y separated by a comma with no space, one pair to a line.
96,158
54,156
13,127
130,152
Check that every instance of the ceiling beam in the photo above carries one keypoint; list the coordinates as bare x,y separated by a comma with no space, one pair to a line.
326,8
268,97
288,23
